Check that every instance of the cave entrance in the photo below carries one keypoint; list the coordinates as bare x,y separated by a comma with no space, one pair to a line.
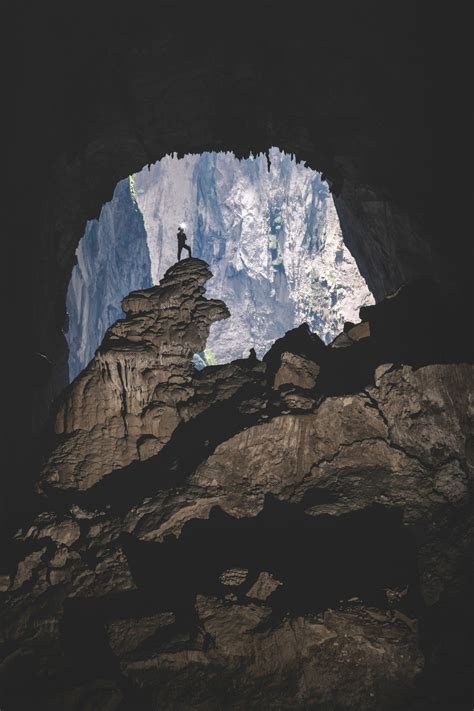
266,225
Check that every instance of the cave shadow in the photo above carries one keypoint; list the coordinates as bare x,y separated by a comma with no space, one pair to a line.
320,561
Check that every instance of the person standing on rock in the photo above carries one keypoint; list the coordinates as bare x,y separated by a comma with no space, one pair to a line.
182,243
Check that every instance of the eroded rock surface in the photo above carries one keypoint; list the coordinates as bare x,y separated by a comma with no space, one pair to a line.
295,535
125,405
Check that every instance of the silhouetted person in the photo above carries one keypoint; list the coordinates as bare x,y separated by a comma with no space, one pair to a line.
253,356
182,243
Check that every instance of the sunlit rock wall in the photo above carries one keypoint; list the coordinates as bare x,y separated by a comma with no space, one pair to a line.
269,231
112,260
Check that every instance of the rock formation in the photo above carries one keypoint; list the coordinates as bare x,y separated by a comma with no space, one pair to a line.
271,237
125,405
290,533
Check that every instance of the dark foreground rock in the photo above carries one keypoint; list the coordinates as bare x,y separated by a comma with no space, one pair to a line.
285,534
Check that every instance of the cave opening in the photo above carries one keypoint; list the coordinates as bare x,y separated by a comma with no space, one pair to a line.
350,93
268,227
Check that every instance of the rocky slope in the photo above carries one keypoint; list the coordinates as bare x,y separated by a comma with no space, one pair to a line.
269,231
285,533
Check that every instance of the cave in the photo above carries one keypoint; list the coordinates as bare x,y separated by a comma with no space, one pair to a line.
268,228
360,447
378,158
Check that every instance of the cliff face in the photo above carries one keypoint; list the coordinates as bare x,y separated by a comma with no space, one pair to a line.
287,533
269,232
112,260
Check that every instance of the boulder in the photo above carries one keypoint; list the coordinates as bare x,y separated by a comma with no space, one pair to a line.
263,587
296,370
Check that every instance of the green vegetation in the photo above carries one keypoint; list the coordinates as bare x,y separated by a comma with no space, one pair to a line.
204,358
209,357
277,222
277,260
131,183
133,191
277,263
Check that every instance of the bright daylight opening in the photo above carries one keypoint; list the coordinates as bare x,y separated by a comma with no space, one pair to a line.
268,230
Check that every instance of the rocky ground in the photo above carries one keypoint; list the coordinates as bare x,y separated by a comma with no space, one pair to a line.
284,533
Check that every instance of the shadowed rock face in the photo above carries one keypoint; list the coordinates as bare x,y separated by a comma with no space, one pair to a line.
291,533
